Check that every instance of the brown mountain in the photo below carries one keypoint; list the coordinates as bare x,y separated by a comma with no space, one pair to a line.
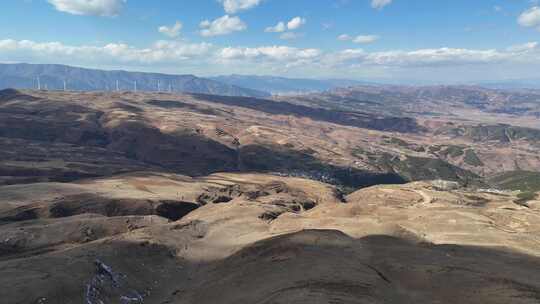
186,198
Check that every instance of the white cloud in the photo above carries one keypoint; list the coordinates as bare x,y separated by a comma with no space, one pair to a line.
349,61
379,4
159,52
287,29
278,28
222,26
327,25
106,8
529,46
275,53
530,17
435,57
290,35
296,23
234,6
171,31
528,53
172,54
361,39
175,51
365,39
344,37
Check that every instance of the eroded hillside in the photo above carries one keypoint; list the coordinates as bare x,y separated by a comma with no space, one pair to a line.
65,136
253,238
163,198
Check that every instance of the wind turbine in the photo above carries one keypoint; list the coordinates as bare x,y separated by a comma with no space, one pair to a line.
65,78
135,86
159,86
38,84
117,86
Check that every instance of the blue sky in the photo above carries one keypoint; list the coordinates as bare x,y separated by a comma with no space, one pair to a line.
446,41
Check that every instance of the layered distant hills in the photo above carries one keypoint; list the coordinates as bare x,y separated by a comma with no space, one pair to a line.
52,77
512,84
282,85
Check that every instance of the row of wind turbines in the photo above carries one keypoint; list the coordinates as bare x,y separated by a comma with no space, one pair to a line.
65,87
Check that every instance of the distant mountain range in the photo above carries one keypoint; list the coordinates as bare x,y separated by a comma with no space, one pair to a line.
52,77
512,84
285,86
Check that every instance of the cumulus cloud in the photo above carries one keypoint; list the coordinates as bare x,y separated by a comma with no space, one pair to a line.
435,57
361,39
350,60
296,23
529,46
287,28
344,37
105,8
205,57
222,26
290,35
278,28
380,4
365,39
171,31
234,6
159,52
275,53
530,17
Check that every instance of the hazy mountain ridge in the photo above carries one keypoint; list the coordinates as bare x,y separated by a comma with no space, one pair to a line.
425,100
282,85
510,84
52,77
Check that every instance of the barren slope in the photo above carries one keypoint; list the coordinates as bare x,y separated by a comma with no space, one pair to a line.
267,239
64,136
163,198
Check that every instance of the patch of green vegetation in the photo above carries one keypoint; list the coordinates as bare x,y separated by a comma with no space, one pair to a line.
524,133
472,159
421,168
433,149
453,151
476,201
501,133
525,197
360,152
280,160
398,169
401,143
398,142
524,181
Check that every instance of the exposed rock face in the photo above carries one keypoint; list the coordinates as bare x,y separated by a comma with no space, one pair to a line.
108,286
272,240
444,185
